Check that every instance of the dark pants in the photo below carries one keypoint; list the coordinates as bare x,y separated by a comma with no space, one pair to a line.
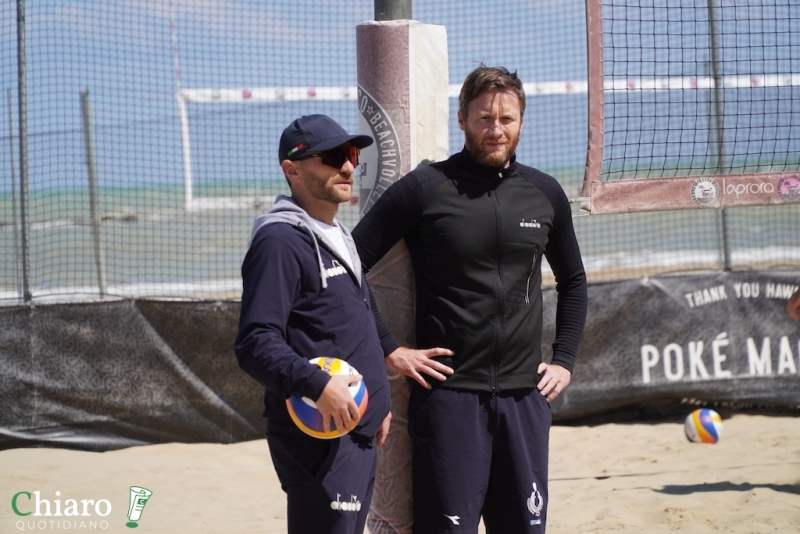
476,455
328,482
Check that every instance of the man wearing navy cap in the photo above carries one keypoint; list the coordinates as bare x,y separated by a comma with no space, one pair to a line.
305,296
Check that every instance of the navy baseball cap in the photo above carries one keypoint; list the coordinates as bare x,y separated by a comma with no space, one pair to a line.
316,133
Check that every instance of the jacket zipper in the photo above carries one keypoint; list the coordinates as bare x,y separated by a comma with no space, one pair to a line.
530,275
500,296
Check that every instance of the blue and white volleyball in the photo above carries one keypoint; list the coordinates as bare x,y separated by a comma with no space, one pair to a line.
303,410
703,426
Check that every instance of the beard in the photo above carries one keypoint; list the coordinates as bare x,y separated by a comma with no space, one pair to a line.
486,157
329,192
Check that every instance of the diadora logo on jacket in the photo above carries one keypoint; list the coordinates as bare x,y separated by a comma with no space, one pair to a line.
530,223
336,270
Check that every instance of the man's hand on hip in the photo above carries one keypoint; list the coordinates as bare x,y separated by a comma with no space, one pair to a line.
414,362
554,379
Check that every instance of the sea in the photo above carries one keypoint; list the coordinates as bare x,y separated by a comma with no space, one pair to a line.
147,244
150,246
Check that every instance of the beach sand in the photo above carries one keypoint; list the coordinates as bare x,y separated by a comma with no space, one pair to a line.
609,478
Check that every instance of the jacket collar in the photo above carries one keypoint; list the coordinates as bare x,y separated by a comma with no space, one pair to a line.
464,159
285,210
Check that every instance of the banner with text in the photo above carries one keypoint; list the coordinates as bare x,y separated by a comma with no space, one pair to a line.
654,343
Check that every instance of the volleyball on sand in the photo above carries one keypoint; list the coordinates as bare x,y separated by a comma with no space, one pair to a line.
703,426
303,410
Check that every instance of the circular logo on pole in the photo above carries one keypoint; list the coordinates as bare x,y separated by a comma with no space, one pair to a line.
381,161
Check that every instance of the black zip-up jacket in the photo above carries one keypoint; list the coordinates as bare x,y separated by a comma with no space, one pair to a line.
476,236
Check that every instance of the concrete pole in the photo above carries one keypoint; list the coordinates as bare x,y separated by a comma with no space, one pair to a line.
403,104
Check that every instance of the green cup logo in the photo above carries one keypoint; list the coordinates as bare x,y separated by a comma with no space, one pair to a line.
139,498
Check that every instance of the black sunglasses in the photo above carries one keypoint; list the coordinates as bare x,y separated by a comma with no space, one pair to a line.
335,157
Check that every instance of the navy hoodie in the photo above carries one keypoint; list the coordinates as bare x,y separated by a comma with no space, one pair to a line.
300,300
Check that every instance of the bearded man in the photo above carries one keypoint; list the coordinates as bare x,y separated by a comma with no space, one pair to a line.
477,227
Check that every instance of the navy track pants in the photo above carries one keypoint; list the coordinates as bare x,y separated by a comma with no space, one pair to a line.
328,482
476,455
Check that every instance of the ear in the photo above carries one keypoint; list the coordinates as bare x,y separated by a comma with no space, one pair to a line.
291,171
461,120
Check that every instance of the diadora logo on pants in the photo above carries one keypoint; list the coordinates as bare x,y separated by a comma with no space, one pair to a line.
453,518
353,506
336,270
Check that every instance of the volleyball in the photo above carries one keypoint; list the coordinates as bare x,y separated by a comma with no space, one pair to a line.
703,426
303,410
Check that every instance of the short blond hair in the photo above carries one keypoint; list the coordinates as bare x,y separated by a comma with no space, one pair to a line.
484,79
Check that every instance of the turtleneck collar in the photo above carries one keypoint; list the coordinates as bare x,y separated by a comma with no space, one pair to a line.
465,159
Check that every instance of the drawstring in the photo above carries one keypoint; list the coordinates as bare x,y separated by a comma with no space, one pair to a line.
322,274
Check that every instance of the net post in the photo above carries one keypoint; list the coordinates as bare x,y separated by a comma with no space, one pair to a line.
719,110
719,119
184,117
93,200
14,196
23,151
187,152
594,52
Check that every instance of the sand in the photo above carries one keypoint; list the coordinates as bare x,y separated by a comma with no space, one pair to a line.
610,478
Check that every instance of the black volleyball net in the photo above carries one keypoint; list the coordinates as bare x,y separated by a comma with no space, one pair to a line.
693,104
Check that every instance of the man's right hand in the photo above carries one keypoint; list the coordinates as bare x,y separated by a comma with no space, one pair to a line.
412,362
335,403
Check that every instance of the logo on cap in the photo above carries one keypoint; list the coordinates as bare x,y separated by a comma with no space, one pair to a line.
301,146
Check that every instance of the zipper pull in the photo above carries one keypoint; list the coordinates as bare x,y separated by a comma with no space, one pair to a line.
494,392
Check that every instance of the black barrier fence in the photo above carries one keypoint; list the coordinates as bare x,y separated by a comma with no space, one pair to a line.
118,374
70,376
